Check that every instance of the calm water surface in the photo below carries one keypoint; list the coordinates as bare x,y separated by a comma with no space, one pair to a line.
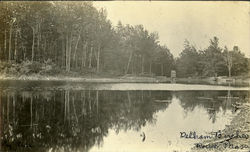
89,117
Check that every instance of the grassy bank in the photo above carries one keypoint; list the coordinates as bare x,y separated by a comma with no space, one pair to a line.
48,71
107,78
87,78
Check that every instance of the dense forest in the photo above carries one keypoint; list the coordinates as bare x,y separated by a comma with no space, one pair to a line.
76,38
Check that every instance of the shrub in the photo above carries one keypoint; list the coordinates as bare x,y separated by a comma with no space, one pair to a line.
24,67
35,67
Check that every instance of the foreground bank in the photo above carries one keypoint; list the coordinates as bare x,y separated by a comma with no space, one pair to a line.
235,137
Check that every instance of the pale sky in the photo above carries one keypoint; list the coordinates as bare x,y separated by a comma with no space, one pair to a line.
195,21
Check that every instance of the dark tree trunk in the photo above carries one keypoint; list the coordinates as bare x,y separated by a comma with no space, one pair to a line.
142,65
33,45
70,43
10,38
150,68
90,57
44,49
15,52
63,53
5,43
38,40
84,55
162,69
66,52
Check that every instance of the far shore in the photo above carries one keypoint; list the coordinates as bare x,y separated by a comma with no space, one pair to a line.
127,79
117,79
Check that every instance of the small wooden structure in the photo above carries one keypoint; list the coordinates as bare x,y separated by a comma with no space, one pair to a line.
173,76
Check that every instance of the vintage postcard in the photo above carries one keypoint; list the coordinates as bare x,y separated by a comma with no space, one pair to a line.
124,76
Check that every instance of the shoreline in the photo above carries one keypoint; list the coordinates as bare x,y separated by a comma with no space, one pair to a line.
126,79
86,79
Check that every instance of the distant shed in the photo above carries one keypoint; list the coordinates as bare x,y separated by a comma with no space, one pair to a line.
173,76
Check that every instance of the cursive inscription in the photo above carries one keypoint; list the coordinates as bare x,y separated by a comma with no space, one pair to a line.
217,139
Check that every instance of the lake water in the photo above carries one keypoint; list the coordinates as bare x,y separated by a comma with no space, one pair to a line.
56,116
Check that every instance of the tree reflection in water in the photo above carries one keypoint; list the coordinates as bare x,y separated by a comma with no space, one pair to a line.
78,120
212,101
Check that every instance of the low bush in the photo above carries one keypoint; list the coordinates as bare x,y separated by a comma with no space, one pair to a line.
27,68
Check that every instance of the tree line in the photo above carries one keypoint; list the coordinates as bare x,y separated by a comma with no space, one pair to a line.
77,37
212,61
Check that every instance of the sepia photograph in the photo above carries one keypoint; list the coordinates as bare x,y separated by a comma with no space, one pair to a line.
124,76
